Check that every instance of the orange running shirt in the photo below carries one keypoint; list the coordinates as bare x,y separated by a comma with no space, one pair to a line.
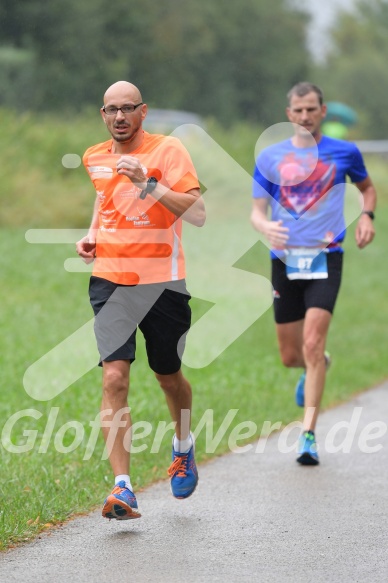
139,241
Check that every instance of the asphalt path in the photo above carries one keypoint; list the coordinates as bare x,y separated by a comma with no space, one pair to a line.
256,516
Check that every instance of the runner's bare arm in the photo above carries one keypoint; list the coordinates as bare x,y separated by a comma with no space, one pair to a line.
188,205
365,230
86,247
276,234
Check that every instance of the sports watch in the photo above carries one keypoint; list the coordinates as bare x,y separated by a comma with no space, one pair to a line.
370,214
151,185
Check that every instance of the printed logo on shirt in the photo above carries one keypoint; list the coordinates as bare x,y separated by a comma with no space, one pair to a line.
131,193
100,171
299,194
108,229
140,220
142,223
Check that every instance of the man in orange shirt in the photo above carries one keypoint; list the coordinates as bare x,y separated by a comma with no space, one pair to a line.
145,184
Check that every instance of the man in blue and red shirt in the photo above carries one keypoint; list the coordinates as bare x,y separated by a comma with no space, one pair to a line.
302,180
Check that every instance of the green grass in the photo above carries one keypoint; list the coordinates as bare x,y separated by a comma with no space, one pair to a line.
42,304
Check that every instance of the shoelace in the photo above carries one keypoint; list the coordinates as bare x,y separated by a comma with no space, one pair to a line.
178,467
117,490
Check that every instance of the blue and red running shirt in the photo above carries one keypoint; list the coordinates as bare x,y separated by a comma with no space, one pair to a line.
305,188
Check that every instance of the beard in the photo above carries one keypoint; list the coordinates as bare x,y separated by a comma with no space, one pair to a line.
121,136
126,136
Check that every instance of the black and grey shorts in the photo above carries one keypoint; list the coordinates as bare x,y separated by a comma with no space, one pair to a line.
292,298
161,311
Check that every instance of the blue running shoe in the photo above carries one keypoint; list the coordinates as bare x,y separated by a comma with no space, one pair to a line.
183,473
121,504
308,449
299,389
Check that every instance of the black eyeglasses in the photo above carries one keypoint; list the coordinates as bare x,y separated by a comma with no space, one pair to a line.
112,110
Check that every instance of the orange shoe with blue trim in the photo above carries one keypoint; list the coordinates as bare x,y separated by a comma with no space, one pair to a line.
121,504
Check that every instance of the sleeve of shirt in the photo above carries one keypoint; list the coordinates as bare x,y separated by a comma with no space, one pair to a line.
180,172
357,171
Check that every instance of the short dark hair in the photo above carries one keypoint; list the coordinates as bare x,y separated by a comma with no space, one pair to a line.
303,88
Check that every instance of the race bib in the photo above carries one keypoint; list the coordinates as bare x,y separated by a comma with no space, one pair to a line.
304,263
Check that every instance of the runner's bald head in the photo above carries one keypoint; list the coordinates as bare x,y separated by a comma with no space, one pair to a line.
123,90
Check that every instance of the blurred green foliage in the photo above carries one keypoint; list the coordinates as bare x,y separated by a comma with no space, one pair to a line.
355,71
232,61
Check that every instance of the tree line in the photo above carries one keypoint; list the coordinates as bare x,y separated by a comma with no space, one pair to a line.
231,61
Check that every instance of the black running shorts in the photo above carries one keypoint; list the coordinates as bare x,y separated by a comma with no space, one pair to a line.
161,311
292,298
